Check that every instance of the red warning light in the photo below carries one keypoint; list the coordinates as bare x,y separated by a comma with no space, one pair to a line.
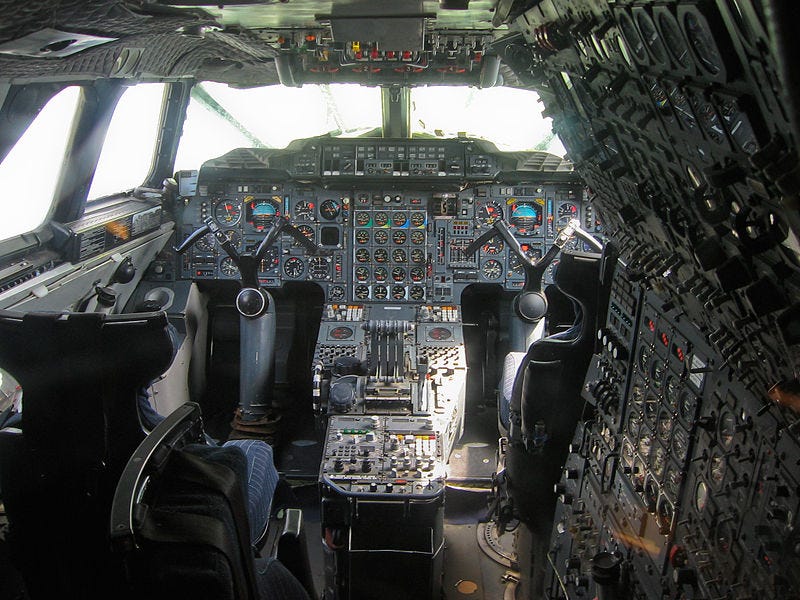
651,325
664,339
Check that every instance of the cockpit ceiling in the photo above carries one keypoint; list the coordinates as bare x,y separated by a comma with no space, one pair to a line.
413,42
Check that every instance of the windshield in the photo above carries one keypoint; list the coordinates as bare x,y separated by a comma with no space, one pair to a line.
221,118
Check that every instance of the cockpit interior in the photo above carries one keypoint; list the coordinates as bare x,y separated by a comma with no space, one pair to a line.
376,300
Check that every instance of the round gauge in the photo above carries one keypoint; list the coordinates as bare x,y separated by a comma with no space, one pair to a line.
659,96
262,212
672,388
682,107
492,269
634,422
362,236
417,274
724,535
362,292
493,247
738,125
205,243
673,40
680,444
716,469
329,209
399,219
228,212
362,255
417,237
399,255
307,231
379,292
527,218
341,333
417,292
658,461
664,514
657,372
672,482
380,219
233,237
632,37
363,219
702,42
701,496
398,292
651,36
644,358
380,274
270,261
319,267
381,236
304,210
514,266
651,495
645,445
335,293
726,429
362,273
228,267
489,212
398,274
664,426
440,334
399,236
566,211
418,219
637,397
651,411
687,406
294,267
710,121
417,256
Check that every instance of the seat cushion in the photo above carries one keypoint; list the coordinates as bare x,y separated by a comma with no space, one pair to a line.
510,368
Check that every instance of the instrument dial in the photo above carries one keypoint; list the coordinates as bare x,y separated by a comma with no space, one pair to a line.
398,292
527,218
673,40
304,210
682,107
262,213
205,243
399,255
726,429
335,293
228,267
418,219
566,211
381,255
739,126
399,236
710,121
716,470
489,212
417,292
664,426
307,231
381,236
362,292
664,515
380,274
632,37
319,267
270,261
703,44
657,372
417,274
228,212
379,292
651,36
417,256
294,267
492,269
363,219
233,237
493,246
417,237
701,496
362,236
362,273
362,255
329,209
680,444
398,274
399,219
380,219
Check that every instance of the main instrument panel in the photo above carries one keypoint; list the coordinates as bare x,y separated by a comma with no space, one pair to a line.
382,242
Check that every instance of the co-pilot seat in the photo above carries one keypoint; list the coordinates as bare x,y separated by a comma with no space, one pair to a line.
80,374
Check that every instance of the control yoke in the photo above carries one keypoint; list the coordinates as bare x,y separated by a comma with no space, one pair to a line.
248,262
531,303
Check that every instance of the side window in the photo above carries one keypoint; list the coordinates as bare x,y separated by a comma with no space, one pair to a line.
29,173
127,154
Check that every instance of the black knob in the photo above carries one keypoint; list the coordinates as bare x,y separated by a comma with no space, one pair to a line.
251,302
